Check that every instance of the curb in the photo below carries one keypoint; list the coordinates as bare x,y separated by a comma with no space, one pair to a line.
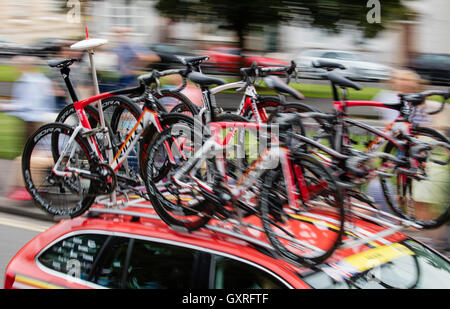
24,208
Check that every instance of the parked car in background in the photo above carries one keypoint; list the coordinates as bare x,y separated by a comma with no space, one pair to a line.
357,68
225,59
9,49
132,248
48,47
432,67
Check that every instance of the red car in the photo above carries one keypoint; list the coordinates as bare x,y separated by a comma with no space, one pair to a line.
230,59
132,248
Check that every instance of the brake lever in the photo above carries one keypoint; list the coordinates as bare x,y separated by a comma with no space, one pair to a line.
158,85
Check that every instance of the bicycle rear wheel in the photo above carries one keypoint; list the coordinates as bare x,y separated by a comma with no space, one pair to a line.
57,195
425,201
311,231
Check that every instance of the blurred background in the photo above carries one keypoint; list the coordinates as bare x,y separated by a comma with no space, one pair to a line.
371,38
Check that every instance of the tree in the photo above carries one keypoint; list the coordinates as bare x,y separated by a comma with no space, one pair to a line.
241,16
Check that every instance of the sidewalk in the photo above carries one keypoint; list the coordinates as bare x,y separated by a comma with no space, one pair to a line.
27,209
23,208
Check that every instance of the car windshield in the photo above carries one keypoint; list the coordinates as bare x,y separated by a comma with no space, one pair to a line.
406,265
347,56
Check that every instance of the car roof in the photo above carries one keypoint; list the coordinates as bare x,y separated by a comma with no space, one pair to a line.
141,220
323,51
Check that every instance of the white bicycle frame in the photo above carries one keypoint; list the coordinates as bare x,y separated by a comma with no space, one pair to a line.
147,116
250,91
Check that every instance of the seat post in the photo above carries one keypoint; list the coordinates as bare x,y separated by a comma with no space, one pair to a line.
211,103
65,72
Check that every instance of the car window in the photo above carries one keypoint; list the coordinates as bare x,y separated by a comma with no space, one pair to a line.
330,55
232,274
407,264
347,57
110,271
161,266
74,256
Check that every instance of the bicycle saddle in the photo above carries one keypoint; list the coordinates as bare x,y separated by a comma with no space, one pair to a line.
204,80
275,83
61,63
328,65
192,60
342,81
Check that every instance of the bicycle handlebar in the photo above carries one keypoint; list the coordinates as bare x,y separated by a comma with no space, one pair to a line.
418,98
153,77
259,71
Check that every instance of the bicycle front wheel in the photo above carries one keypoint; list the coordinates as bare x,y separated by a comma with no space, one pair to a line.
178,206
57,195
424,200
306,231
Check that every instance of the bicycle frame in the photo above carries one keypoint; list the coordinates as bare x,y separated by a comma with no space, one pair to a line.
147,117
249,100
268,158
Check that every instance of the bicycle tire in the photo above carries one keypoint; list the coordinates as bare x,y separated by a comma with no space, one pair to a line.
68,115
398,208
121,114
186,217
277,218
185,105
59,207
167,120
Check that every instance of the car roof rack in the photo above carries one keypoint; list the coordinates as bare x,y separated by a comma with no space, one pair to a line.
235,229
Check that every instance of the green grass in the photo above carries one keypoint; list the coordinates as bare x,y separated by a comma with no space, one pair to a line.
11,136
316,91
8,73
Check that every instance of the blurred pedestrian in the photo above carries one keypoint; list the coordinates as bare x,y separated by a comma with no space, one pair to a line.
33,101
402,81
32,95
132,57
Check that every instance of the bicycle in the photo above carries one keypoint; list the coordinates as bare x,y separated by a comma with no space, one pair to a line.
398,138
199,187
76,171
253,106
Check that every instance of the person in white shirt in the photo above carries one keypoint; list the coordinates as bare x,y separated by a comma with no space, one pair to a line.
33,100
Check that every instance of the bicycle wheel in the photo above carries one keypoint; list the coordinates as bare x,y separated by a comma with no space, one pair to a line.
309,232
59,196
425,201
177,206
162,166
121,114
177,102
167,120
68,115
